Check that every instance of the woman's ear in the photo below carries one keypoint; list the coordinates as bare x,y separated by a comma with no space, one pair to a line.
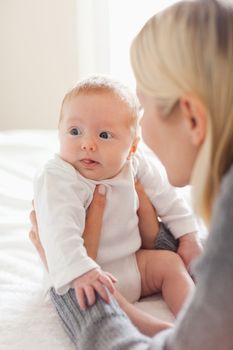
195,116
133,147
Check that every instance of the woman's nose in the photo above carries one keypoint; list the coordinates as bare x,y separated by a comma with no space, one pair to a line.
88,145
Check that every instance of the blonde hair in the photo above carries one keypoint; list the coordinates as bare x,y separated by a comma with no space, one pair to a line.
104,84
188,48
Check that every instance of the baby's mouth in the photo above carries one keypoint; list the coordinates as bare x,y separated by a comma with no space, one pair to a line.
88,163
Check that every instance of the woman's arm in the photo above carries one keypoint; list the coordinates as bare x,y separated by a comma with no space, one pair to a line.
154,234
148,220
101,326
170,206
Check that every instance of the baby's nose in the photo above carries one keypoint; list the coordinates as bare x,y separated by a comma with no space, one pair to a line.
88,145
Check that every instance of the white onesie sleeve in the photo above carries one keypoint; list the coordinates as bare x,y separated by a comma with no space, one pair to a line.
60,200
170,206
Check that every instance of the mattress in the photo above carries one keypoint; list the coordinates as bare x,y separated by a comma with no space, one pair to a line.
27,318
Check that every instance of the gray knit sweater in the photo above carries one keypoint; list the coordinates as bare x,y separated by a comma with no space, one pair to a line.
205,323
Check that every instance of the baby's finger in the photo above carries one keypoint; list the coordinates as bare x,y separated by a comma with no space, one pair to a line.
101,290
90,295
113,279
35,240
107,282
79,292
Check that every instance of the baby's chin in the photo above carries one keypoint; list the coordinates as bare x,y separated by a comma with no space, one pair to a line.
95,175
91,174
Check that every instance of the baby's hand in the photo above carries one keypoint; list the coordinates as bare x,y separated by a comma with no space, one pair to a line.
190,247
94,280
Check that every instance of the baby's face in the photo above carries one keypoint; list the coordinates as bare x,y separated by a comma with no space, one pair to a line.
95,134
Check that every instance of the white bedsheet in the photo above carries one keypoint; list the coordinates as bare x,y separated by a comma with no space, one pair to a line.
27,320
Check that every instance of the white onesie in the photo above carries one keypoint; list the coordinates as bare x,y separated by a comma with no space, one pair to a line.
62,196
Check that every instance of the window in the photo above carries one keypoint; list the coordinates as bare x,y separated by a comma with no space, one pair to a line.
106,29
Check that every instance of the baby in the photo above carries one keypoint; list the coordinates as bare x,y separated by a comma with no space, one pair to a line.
99,135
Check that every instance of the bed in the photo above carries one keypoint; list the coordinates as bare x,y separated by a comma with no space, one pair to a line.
27,318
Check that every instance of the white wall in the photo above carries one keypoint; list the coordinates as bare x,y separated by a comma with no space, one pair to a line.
47,45
38,60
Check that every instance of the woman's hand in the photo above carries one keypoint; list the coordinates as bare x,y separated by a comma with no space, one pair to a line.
190,248
34,236
148,220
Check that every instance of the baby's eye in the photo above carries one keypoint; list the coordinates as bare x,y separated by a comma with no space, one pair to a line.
75,131
105,135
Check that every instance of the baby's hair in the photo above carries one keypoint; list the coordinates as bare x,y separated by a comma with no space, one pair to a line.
102,84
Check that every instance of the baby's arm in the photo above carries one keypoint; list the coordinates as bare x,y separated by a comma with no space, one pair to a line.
94,280
171,207
59,198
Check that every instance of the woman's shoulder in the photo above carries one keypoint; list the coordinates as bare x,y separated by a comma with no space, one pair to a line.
221,235
224,201
227,181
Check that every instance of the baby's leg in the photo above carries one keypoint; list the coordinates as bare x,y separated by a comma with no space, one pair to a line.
147,324
164,271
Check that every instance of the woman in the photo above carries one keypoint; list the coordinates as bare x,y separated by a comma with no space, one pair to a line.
183,61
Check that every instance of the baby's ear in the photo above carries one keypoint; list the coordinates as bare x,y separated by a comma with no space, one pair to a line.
134,147
135,144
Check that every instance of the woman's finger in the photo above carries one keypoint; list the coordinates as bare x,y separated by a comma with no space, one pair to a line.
32,237
35,239
144,201
96,208
138,186
33,220
94,220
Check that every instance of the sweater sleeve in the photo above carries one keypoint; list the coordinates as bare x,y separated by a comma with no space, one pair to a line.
100,326
206,321
170,206
59,199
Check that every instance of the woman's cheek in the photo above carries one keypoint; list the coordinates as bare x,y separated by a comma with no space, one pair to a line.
149,134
